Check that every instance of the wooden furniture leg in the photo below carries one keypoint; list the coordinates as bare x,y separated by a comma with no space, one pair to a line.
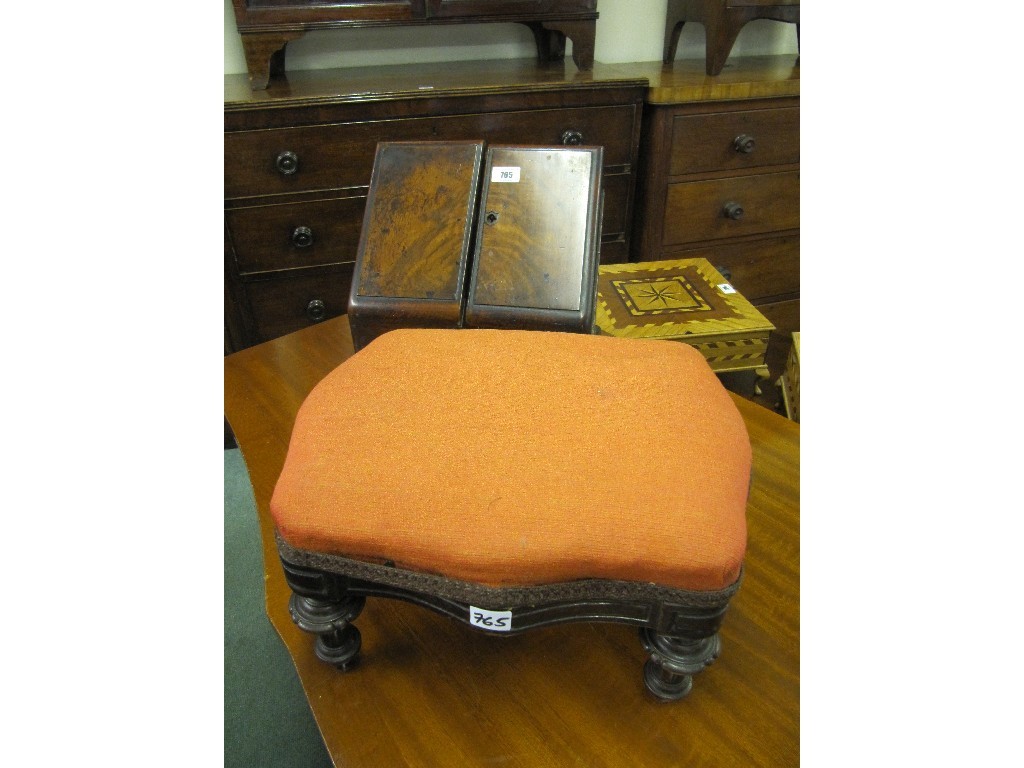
264,55
681,640
720,31
674,24
582,34
668,673
550,44
330,619
722,25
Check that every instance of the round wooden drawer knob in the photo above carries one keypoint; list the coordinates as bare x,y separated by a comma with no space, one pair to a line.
733,211
302,237
744,144
316,310
287,163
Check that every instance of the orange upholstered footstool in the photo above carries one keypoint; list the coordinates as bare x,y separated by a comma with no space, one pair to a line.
512,479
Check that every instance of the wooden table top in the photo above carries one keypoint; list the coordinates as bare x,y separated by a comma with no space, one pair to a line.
743,77
433,692
453,78
681,81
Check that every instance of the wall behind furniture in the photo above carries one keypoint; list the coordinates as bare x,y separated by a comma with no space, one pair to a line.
627,30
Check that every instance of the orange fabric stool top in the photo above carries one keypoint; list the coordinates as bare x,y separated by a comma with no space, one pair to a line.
515,458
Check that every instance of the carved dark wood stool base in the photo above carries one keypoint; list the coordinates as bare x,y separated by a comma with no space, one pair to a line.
337,641
668,673
678,629
455,470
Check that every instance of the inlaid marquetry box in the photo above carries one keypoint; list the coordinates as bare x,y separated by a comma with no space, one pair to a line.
683,300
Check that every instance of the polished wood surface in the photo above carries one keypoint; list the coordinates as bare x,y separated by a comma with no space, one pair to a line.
267,26
419,215
759,268
535,261
696,211
722,21
719,178
747,77
428,80
300,154
703,143
415,240
431,692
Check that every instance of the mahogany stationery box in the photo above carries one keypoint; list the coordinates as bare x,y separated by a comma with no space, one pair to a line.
454,237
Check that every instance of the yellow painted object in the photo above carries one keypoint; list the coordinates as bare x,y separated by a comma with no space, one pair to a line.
684,300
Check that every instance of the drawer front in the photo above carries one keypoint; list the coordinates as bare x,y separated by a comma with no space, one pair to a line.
614,252
784,315
721,208
497,8
289,304
292,236
288,160
727,141
616,198
266,238
757,268
759,3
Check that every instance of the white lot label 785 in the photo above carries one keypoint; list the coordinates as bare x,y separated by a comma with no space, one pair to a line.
509,173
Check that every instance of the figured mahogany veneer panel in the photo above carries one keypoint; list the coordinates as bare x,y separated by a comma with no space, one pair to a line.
416,232
699,210
536,232
413,253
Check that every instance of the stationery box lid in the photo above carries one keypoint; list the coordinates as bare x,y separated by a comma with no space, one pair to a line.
538,239
416,237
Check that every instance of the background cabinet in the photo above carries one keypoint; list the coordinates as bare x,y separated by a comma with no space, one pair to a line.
267,26
720,179
297,165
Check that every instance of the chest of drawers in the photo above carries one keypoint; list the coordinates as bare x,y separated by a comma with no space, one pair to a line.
298,159
267,26
720,179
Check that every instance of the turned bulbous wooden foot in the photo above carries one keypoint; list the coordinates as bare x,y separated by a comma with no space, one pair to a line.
337,641
668,673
